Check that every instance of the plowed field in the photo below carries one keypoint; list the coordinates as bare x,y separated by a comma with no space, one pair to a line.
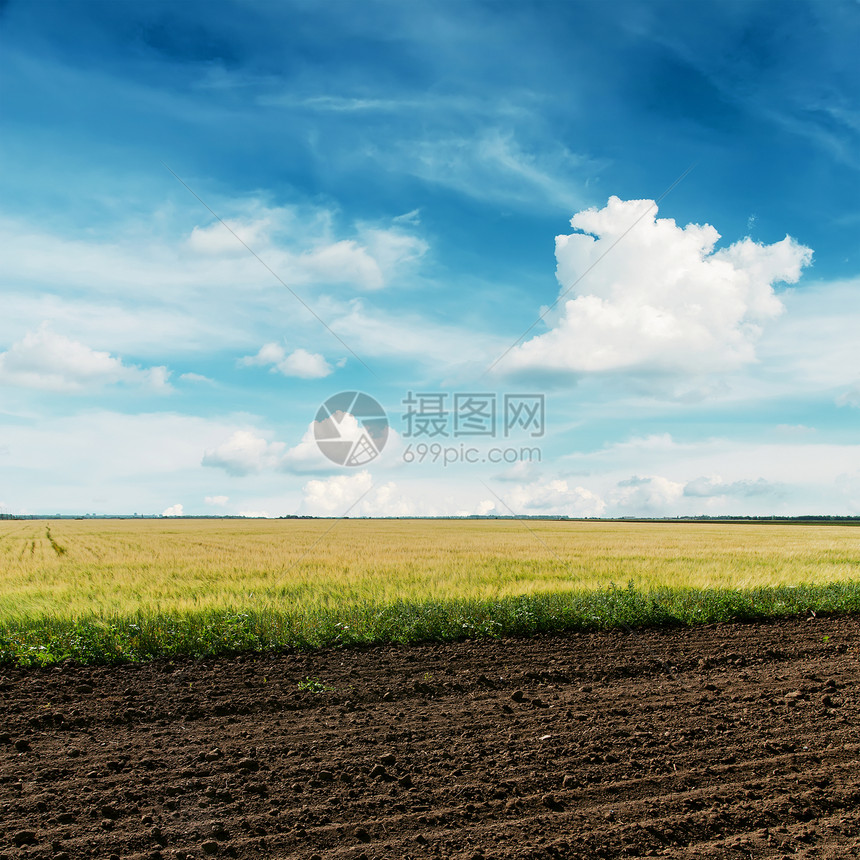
731,741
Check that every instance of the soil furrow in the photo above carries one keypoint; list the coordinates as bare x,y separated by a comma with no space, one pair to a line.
732,741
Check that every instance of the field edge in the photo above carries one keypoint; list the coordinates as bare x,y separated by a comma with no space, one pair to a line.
94,639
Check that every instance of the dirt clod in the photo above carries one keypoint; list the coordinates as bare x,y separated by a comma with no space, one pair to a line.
24,837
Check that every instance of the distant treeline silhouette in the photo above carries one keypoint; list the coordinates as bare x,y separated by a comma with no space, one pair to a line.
727,518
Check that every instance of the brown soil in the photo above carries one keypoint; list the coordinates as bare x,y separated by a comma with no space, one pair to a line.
732,741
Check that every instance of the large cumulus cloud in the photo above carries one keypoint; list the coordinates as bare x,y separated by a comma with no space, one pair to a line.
650,295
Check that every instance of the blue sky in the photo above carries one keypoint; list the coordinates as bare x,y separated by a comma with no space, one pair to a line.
427,181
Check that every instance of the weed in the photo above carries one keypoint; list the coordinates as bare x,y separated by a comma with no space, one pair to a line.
312,685
59,550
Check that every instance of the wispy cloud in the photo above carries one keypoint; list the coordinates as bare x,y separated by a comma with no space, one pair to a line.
496,166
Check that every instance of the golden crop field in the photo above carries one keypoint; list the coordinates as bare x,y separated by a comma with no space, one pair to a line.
76,568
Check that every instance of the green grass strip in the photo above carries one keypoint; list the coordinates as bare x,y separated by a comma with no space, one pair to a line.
42,641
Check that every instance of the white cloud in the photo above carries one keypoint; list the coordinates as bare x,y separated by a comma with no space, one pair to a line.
662,300
525,471
376,332
300,362
154,295
217,501
707,487
388,501
307,457
652,495
653,442
269,353
196,377
256,514
186,285
786,461
412,218
797,430
789,473
851,397
344,261
311,252
45,360
172,511
335,495
185,324
554,497
245,453
156,378
495,166
355,495
216,239
96,460
393,250
812,348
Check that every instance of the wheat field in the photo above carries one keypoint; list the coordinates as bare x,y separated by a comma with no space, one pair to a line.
77,568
